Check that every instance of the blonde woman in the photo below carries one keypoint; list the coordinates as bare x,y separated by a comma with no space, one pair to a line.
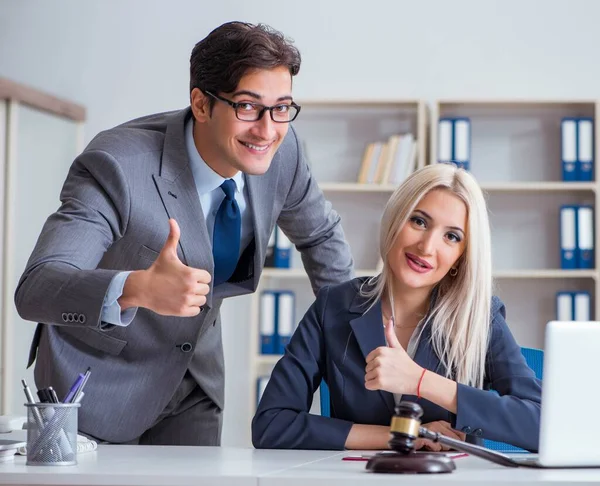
426,329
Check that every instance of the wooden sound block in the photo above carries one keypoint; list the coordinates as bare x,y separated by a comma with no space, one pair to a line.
410,463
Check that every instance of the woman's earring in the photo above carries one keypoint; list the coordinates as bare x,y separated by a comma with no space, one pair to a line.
453,272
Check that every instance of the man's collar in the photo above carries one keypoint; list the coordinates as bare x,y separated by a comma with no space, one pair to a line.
206,179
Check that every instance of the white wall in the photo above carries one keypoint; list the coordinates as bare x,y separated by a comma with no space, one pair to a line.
126,58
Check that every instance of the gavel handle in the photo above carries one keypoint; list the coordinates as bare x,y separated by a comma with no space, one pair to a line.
473,449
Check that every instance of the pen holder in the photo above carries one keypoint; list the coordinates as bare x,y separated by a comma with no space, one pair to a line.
52,434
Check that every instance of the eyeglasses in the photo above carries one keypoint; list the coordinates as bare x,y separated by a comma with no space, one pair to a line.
246,111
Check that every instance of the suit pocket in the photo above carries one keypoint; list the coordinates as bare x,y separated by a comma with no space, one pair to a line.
148,254
95,339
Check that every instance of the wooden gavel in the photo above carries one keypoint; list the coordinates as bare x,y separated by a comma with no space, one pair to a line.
406,429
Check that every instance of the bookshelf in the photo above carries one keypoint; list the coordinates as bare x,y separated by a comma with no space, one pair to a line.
532,187
516,157
335,134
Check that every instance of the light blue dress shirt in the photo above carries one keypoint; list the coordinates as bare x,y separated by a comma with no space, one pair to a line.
208,184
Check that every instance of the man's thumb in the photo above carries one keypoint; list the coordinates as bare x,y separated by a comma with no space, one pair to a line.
170,247
390,335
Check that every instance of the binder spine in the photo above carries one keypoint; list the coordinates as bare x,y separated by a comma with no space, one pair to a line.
268,315
261,384
445,139
462,143
585,237
585,149
285,319
569,149
564,306
270,253
282,250
581,306
568,237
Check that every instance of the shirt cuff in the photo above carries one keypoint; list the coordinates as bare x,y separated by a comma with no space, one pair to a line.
111,310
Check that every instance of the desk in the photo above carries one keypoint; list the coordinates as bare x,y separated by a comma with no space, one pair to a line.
132,465
186,466
332,471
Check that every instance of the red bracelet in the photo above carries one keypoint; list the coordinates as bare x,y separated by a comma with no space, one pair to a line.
420,381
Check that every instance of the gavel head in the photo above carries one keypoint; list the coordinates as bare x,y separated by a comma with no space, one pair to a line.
405,427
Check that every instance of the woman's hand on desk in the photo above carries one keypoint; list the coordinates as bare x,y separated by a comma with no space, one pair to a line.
443,428
376,437
389,368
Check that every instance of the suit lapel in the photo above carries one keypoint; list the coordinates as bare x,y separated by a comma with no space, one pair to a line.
369,333
261,199
179,195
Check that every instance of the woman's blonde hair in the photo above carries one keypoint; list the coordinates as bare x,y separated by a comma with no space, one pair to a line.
460,316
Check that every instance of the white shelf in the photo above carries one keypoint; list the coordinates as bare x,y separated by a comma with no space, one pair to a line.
516,104
267,359
538,186
361,103
535,274
355,187
505,274
554,186
301,273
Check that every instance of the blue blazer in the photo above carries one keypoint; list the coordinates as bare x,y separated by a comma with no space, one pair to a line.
332,342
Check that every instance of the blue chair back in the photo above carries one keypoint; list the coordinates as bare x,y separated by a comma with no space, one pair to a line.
535,360
324,399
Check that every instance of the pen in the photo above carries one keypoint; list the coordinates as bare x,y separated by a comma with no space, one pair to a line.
79,393
36,413
73,390
354,458
27,391
366,457
41,396
52,395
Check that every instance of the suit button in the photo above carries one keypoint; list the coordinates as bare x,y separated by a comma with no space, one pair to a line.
81,318
186,347
478,432
65,317
467,430
70,317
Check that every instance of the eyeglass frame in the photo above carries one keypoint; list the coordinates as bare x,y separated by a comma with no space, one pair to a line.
264,108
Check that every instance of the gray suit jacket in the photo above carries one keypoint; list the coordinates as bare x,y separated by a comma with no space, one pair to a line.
116,201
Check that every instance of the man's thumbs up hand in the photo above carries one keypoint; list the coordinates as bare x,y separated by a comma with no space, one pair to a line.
169,250
168,287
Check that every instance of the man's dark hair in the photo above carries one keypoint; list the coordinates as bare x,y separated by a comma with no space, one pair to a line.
219,61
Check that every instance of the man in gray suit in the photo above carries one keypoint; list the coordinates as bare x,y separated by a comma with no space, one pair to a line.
161,219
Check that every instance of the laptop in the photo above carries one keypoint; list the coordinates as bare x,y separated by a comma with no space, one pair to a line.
569,427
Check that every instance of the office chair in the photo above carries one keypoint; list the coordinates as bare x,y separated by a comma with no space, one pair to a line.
535,360
324,399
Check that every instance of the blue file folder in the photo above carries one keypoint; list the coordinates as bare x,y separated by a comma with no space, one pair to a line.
568,237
